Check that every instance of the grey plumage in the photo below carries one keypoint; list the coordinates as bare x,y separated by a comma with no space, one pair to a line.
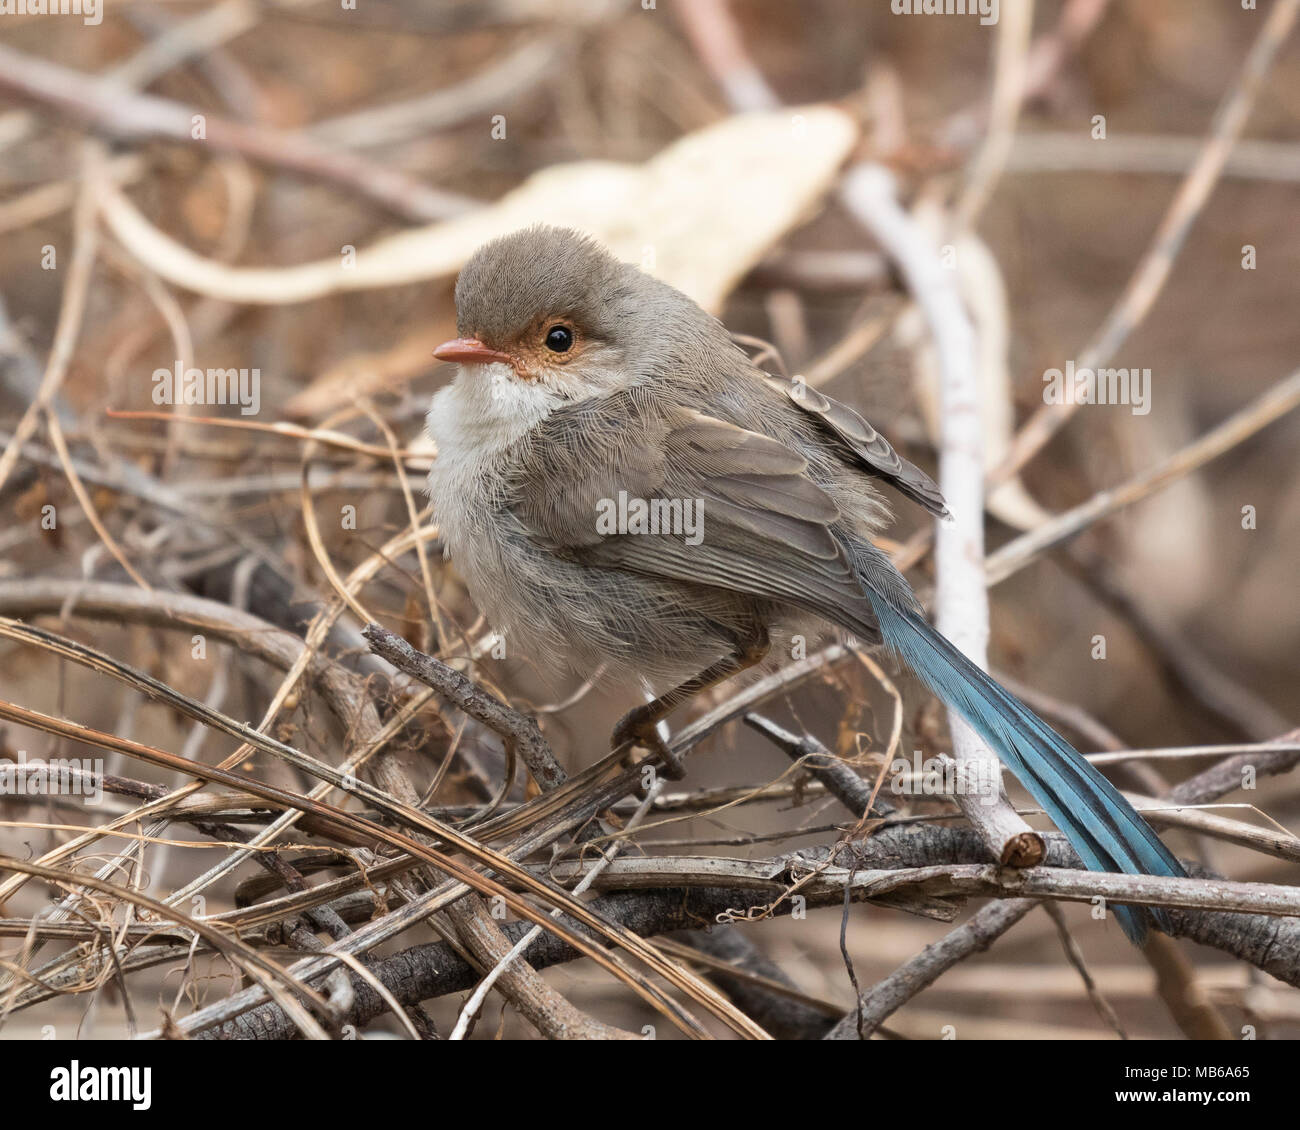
584,380
666,406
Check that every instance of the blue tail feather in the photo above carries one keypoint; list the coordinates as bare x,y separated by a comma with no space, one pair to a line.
1099,823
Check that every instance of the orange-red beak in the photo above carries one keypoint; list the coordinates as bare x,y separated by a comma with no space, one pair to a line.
471,351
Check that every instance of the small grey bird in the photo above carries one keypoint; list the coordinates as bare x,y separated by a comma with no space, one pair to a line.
596,410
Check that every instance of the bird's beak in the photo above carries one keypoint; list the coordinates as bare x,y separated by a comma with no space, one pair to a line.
471,351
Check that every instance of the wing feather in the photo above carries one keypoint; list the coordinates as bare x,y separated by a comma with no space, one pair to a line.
870,448
767,527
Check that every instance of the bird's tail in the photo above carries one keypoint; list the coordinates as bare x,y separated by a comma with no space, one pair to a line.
1100,824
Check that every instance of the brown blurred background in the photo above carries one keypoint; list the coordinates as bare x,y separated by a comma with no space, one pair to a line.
1200,616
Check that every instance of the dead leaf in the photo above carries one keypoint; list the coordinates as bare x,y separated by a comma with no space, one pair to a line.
699,214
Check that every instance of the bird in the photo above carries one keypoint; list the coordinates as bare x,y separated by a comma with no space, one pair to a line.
623,490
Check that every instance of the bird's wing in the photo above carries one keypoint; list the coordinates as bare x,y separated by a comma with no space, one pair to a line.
869,448
765,526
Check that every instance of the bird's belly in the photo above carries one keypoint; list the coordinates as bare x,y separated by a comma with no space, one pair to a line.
558,611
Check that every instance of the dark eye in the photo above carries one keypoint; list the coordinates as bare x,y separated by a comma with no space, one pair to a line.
559,339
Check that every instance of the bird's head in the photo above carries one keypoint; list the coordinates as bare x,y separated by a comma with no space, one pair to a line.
553,308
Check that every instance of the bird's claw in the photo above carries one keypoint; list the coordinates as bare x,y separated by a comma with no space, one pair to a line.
633,731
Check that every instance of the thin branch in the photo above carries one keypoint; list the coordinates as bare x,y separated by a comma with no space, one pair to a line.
116,111
1148,279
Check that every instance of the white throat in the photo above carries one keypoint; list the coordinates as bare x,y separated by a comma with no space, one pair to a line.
487,408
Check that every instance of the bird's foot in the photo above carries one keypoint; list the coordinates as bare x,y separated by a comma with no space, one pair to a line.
635,729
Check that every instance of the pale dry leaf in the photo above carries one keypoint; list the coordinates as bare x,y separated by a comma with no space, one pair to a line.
699,214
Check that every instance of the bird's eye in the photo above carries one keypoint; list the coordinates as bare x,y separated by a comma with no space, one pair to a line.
559,339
